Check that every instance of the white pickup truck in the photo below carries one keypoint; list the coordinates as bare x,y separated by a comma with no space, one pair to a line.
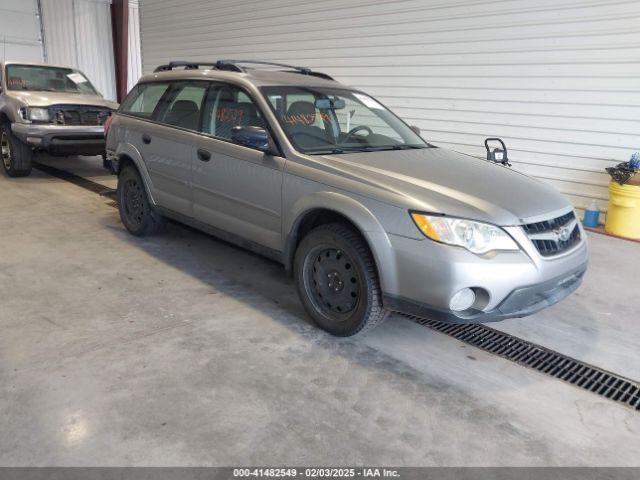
48,108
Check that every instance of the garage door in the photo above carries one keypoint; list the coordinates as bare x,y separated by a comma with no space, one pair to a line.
78,33
557,79
20,31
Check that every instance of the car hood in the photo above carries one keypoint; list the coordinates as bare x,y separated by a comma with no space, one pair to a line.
44,99
442,181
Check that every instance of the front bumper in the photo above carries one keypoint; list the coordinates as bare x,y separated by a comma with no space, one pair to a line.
511,284
61,140
520,302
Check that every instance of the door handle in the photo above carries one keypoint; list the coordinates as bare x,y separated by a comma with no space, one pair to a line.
204,155
146,138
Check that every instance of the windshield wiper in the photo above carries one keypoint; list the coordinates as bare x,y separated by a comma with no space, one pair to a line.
381,148
366,148
408,147
339,150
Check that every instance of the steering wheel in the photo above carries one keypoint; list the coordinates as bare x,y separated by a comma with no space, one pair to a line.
354,130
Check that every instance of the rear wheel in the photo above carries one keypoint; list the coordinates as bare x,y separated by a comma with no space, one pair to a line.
337,280
16,156
136,212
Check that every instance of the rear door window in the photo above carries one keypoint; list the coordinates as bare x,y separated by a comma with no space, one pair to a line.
144,99
183,105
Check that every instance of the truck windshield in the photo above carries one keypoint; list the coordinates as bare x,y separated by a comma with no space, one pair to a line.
48,79
326,120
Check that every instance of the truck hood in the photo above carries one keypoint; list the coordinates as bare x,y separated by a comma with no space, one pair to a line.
442,181
45,99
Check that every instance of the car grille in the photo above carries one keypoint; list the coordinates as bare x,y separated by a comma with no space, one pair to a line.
76,115
552,237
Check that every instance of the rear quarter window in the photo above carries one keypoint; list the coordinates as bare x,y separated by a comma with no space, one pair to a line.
143,100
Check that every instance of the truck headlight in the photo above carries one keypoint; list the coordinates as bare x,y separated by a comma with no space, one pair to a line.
477,237
39,114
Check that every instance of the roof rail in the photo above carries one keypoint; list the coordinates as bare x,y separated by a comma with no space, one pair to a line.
232,66
181,63
228,64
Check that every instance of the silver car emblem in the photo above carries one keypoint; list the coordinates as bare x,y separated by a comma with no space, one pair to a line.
563,234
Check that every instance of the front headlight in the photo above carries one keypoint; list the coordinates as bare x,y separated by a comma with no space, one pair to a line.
477,237
39,114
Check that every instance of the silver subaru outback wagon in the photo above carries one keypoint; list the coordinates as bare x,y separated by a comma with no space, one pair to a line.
369,217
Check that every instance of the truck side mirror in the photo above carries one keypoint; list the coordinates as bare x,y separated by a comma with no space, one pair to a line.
496,154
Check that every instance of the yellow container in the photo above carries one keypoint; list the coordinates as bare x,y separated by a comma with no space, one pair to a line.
623,214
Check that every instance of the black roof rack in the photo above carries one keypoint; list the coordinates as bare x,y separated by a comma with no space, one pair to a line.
232,66
181,63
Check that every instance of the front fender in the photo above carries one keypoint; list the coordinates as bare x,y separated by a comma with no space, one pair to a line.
130,151
10,107
359,214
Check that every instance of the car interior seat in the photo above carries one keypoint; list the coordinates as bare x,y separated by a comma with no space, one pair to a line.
300,122
184,113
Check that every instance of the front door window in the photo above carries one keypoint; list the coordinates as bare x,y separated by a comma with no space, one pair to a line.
227,106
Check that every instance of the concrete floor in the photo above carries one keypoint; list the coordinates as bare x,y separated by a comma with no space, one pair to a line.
183,350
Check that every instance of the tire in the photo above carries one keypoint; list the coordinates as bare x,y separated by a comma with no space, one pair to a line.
16,156
136,212
349,298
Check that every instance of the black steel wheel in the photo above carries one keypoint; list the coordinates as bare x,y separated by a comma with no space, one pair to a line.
136,212
337,280
331,281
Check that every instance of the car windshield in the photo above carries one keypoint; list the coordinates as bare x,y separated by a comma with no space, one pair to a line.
326,120
48,79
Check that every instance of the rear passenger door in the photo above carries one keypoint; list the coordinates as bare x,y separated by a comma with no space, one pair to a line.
167,145
236,188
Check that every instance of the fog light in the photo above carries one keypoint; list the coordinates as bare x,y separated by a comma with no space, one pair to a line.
462,300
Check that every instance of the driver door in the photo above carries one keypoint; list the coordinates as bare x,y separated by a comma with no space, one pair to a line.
236,188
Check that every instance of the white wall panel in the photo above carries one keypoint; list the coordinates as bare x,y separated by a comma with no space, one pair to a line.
135,60
20,31
557,79
78,34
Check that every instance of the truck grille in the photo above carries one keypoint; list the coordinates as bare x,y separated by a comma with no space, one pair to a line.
77,115
552,237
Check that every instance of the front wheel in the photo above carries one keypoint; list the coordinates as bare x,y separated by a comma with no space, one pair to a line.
136,212
337,280
16,156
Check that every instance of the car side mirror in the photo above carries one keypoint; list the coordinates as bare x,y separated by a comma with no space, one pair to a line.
253,137
496,154
415,129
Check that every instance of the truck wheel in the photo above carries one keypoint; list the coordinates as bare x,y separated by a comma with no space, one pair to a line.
136,212
16,156
337,280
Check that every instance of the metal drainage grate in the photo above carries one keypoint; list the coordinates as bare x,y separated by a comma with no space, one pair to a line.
606,384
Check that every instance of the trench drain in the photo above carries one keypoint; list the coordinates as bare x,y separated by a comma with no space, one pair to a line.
593,379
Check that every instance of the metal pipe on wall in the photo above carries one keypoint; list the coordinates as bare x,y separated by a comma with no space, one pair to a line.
120,28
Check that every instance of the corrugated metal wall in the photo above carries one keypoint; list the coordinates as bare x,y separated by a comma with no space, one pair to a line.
20,31
557,79
78,33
